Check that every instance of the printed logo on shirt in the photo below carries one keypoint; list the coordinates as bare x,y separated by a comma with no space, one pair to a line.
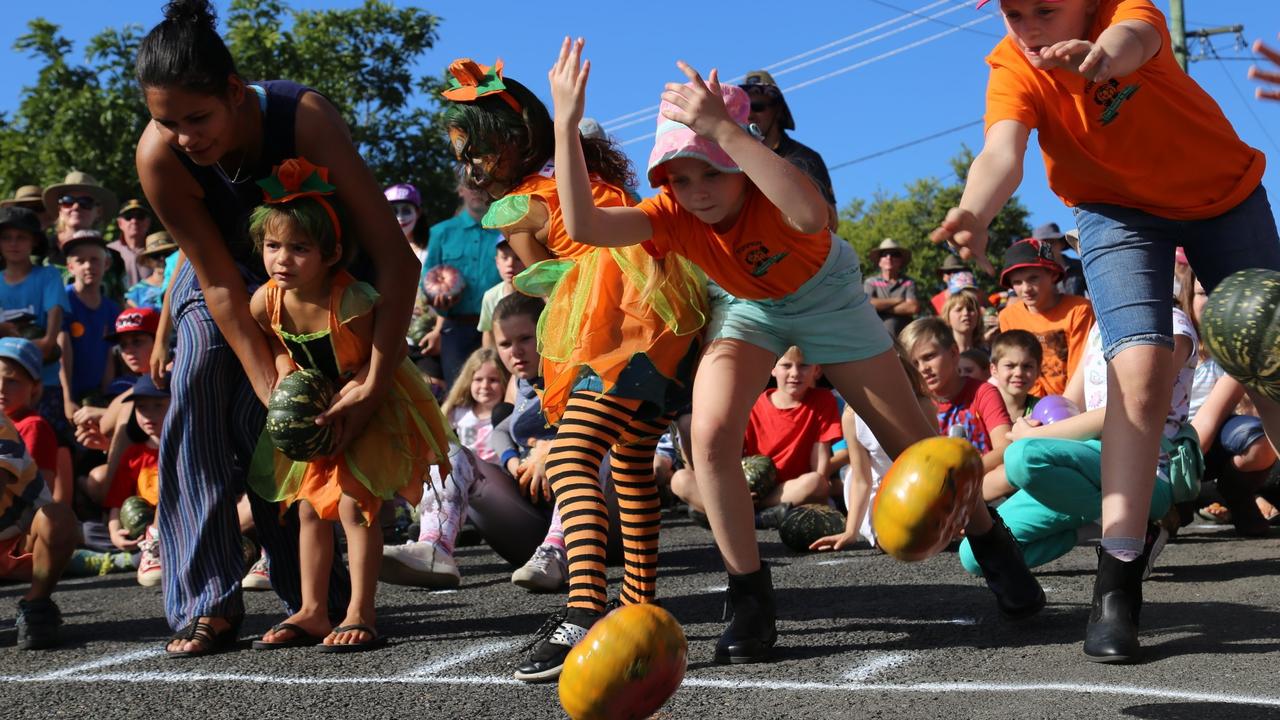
964,422
1111,97
756,256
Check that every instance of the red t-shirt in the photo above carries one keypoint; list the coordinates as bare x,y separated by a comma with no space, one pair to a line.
976,410
138,474
788,436
39,438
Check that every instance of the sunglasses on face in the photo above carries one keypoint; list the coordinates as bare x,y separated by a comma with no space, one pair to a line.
84,202
891,254
760,105
134,216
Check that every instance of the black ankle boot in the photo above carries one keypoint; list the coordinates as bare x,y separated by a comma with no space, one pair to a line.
1018,593
752,631
1112,633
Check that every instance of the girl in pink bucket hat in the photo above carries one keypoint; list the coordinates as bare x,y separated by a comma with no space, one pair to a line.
778,278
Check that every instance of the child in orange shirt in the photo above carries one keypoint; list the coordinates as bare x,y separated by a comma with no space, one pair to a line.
778,277
1098,80
1060,322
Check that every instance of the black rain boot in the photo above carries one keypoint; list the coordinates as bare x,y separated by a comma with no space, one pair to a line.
1018,593
752,631
1112,633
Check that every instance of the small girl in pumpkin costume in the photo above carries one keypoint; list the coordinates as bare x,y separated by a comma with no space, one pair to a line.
317,316
619,339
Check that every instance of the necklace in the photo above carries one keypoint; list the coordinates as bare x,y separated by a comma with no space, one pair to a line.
233,180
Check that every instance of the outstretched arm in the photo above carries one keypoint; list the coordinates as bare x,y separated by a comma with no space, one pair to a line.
1120,50
585,223
993,177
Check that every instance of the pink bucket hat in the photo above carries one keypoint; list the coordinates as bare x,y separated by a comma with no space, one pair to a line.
676,140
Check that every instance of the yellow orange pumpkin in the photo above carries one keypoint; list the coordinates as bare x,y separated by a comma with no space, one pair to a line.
926,496
628,665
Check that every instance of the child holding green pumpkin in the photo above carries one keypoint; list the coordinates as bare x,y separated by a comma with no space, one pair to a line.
136,472
1099,82
318,317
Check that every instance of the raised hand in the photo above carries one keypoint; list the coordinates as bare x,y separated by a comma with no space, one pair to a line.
568,78
967,235
1270,77
698,104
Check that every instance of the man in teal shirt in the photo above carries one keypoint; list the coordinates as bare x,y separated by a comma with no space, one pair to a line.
463,244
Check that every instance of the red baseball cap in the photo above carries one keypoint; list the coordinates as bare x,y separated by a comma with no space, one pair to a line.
145,320
1029,253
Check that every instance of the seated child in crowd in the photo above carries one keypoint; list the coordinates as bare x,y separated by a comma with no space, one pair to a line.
1015,366
975,363
509,266
1057,468
20,390
149,291
1060,322
137,472
37,537
967,408
481,385
794,425
86,371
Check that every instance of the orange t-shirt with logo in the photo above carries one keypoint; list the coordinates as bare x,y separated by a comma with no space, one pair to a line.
760,258
1153,140
1062,332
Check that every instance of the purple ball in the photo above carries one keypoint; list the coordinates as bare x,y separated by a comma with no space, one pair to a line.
1052,408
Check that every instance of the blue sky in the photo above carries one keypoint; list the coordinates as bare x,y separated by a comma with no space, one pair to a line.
884,76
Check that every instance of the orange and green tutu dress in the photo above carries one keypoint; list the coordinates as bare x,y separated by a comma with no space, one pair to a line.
403,439
616,321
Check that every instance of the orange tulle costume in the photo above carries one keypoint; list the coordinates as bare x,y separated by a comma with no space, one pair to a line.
394,453
616,322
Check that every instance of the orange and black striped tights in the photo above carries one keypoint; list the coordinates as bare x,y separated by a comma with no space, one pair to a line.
592,426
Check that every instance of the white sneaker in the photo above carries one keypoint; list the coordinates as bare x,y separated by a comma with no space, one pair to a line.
546,571
419,564
149,562
259,576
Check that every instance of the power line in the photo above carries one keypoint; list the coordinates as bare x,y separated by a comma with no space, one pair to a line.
934,19
860,64
905,145
637,116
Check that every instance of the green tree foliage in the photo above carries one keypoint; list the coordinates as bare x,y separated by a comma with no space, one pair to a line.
910,218
88,116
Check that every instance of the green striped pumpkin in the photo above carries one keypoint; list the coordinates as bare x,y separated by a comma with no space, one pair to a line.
1241,326
135,515
761,473
806,523
291,415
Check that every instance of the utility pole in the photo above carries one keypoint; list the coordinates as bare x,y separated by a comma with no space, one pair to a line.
1178,31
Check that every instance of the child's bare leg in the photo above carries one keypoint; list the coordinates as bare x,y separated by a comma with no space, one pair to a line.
1269,411
995,485
730,377
95,484
56,534
1138,382
802,490
364,555
685,487
315,559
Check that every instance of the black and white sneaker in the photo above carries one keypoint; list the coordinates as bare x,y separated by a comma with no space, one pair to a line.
552,643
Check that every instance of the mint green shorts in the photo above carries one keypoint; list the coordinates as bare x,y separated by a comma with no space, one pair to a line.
829,317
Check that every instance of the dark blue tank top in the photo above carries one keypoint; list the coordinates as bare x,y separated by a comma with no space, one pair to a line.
231,204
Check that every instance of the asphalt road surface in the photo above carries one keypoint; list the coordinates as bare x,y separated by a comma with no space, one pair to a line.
862,636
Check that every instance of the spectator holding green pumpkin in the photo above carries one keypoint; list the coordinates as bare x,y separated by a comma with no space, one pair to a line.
136,473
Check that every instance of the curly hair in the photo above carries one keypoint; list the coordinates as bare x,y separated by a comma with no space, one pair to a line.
526,140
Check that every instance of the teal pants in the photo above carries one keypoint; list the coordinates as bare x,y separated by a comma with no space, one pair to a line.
1059,490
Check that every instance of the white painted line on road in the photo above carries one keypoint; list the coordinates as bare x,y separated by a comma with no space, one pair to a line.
962,621
840,561
870,669
716,589
475,652
120,659
689,682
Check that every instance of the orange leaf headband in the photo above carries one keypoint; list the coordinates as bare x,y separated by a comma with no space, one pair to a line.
298,178
471,81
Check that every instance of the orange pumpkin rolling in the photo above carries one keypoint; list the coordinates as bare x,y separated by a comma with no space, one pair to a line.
925,498
628,665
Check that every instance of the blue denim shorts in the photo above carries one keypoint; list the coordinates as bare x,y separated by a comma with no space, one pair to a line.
1128,262
1239,432
829,317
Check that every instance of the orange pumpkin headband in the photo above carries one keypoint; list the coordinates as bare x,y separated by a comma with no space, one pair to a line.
298,178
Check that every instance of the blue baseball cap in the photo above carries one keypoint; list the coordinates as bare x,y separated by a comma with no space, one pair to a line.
25,353
144,386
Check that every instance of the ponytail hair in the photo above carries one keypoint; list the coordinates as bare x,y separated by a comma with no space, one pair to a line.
185,51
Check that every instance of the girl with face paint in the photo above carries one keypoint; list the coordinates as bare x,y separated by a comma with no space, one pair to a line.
406,203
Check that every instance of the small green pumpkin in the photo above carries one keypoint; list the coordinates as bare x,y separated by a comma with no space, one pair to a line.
291,415
135,515
1241,326
806,523
762,475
